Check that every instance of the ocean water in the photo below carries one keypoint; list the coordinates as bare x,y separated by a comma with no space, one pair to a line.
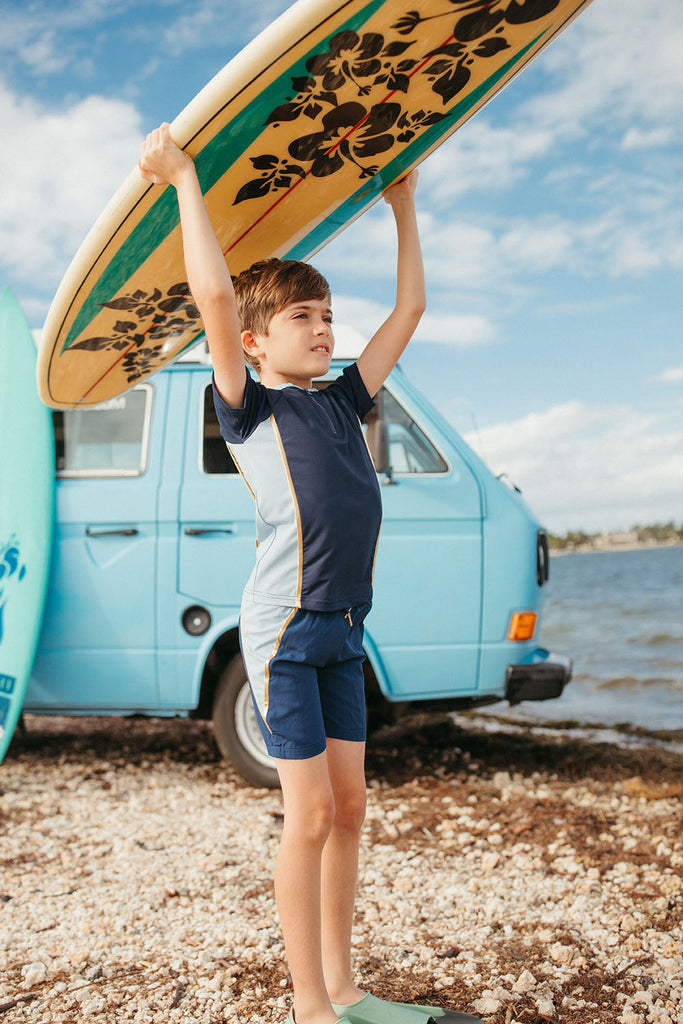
619,616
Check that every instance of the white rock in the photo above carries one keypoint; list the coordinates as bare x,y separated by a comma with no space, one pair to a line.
490,861
525,982
629,1016
488,1003
34,974
545,1003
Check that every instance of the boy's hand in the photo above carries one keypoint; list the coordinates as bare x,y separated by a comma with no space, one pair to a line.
401,190
161,161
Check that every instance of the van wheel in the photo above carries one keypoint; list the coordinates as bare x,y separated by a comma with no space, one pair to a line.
236,729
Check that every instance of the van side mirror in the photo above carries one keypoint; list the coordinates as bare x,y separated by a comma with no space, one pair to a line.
378,441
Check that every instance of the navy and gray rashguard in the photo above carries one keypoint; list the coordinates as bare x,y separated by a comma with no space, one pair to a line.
304,457
318,512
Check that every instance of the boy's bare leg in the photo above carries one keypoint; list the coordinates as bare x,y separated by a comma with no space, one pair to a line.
309,811
345,762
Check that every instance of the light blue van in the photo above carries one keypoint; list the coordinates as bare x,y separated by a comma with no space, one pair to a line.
154,540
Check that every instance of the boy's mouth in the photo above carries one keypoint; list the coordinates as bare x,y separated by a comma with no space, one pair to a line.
322,347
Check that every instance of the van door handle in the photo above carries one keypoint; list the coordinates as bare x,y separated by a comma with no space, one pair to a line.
129,532
194,531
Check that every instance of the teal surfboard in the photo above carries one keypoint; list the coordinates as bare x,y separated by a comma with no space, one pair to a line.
27,478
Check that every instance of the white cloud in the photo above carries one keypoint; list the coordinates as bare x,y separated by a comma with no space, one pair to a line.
61,169
219,19
625,239
674,375
619,62
44,40
591,468
636,138
538,245
461,330
617,67
459,254
481,156
363,314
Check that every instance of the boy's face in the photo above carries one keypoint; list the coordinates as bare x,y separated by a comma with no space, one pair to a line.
298,346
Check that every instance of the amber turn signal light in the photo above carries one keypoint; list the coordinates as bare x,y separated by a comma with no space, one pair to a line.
522,626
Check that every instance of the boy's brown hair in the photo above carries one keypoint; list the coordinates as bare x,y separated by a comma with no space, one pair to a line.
268,286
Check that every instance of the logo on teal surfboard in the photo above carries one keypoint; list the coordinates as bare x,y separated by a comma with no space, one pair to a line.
12,572
7,686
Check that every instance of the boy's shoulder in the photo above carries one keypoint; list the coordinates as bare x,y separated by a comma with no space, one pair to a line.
261,402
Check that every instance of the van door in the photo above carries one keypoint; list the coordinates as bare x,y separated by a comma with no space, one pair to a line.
426,617
217,532
98,647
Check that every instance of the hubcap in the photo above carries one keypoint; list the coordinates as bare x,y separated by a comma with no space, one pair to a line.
247,729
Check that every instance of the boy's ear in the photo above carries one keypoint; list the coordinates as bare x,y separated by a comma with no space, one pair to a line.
251,344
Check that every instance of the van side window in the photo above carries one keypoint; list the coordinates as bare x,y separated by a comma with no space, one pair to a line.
111,439
409,449
396,443
215,456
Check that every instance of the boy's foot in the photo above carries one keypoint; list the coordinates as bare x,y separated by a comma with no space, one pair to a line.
341,1020
371,1010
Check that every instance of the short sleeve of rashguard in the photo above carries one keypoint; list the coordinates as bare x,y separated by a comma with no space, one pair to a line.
351,385
237,424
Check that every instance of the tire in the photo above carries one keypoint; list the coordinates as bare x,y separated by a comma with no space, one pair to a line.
236,729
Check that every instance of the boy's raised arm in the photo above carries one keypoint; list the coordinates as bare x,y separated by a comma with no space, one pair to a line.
384,348
163,163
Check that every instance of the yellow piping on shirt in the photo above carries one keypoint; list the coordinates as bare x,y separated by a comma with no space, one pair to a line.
239,470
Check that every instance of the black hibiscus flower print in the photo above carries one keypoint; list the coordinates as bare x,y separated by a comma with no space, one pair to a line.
450,72
478,23
141,362
307,102
350,58
275,174
349,135
355,131
172,313
411,124
481,18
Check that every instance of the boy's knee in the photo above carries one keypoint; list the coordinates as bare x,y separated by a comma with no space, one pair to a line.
315,820
349,811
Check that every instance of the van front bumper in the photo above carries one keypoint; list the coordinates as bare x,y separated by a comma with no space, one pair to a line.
543,677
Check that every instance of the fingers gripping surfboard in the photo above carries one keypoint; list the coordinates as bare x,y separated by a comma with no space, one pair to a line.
292,141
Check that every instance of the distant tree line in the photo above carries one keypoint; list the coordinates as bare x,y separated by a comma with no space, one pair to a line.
657,533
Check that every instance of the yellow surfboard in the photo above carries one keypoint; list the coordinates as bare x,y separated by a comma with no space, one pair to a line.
292,140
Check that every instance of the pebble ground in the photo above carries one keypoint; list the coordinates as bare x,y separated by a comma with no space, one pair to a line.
529,879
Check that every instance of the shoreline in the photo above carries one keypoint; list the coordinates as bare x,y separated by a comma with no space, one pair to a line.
602,546
621,734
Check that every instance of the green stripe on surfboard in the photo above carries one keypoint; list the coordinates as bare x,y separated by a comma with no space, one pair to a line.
164,216
347,211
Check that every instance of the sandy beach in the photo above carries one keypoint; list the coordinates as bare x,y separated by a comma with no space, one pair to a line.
520,877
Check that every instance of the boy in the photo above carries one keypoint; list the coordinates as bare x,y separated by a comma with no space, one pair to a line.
303,455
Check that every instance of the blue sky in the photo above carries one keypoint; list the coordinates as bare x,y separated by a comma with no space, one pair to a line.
552,228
